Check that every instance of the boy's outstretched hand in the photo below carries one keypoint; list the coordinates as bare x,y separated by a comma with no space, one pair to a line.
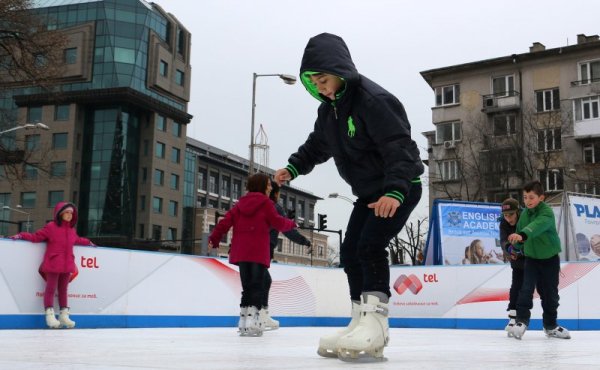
385,206
515,238
281,176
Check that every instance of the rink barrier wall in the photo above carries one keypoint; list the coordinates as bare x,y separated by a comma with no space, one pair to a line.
119,288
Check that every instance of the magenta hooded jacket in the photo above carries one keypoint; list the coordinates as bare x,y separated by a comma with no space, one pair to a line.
60,238
252,218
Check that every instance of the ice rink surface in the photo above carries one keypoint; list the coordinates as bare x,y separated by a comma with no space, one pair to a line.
287,348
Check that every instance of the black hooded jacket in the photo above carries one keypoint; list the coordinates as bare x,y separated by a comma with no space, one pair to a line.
365,129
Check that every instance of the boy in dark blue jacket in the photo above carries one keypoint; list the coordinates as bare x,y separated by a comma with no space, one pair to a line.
365,130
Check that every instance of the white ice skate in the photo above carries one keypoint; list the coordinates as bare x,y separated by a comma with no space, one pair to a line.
558,332
512,320
328,344
51,321
64,319
242,321
366,341
518,330
268,322
254,326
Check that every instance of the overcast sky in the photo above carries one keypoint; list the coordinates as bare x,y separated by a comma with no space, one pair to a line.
391,42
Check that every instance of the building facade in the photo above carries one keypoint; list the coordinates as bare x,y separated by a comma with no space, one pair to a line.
117,124
502,122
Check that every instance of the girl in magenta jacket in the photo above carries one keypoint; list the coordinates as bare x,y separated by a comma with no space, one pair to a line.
252,218
58,266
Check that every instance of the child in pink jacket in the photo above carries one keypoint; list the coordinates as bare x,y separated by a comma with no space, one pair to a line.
58,266
252,218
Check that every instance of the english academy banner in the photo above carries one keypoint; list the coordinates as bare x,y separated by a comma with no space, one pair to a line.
585,222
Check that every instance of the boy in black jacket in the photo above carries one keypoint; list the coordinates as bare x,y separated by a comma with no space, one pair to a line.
365,130
508,225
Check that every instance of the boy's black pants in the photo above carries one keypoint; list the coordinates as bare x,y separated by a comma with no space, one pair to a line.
543,273
252,276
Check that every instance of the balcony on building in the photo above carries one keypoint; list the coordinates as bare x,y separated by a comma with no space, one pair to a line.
498,102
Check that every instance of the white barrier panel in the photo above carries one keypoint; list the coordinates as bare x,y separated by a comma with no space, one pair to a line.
125,288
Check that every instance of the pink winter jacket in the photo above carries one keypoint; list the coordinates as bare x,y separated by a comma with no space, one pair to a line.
252,217
60,238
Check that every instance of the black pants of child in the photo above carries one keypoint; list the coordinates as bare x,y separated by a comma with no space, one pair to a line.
518,274
363,253
266,288
543,273
252,276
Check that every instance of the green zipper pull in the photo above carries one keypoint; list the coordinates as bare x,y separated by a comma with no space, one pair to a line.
351,127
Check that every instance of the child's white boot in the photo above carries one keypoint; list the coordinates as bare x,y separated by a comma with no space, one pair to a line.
51,321
64,319
254,326
512,321
268,322
242,322
328,344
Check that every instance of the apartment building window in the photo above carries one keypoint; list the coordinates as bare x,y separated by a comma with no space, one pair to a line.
587,188
32,142
156,232
161,123
157,204
28,199
34,114
213,203
449,170
160,150
142,231
55,197
142,203
202,179
226,186
30,171
589,72
213,183
159,177
173,208
586,108
503,85
70,55
547,100
58,169
549,140
447,95
447,132
175,155
144,174
179,77
59,141
591,152
61,112
171,233
237,189
164,68
174,182
552,179
505,125
177,129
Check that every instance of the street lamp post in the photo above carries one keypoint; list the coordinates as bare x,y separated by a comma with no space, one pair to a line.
289,80
26,126
20,211
339,196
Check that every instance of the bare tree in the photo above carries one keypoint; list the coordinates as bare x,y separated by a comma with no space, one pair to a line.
333,255
410,245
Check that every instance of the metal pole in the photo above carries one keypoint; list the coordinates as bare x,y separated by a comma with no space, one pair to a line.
251,165
28,222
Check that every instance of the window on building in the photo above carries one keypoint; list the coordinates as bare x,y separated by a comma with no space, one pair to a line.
160,149
59,140
124,55
449,170
177,129
142,231
587,108
179,77
144,174
591,152
54,197
547,100
589,72
549,140
213,179
213,203
34,114
237,189
40,59
173,205
142,203
146,147
156,232
70,56
61,112
175,155
180,41
505,125
587,188
171,233
174,183
32,142
503,85
447,95
552,179
58,169
447,132
159,177
202,179
226,186
157,205
164,68
30,171
28,199
161,123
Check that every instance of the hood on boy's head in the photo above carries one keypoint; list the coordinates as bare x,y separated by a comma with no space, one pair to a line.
326,53
60,207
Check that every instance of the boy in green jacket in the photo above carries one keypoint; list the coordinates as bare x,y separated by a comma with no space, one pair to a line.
537,236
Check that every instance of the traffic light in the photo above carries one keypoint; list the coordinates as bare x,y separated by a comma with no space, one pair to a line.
322,221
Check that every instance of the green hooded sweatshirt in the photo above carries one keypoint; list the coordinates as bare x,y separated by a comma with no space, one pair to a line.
539,225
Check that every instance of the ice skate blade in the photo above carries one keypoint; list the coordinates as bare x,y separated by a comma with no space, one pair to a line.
328,353
271,328
356,356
